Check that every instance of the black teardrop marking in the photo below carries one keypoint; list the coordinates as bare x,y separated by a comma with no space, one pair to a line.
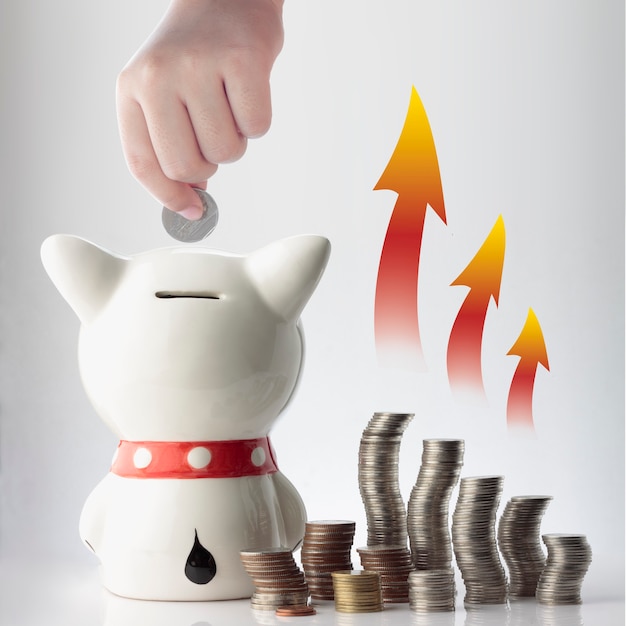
200,567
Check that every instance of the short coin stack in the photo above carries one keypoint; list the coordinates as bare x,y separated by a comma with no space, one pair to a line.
474,540
432,590
278,581
569,557
378,478
394,565
326,548
357,591
427,516
520,545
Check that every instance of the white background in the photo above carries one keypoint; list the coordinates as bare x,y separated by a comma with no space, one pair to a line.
526,105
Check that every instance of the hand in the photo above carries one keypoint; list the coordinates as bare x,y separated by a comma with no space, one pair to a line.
194,93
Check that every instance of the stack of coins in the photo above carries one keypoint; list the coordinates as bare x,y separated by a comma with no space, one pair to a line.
378,478
474,540
357,591
394,565
432,590
428,514
569,557
519,542
326,548
278,581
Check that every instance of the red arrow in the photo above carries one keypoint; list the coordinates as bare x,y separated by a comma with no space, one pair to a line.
413,172
483,276
531,348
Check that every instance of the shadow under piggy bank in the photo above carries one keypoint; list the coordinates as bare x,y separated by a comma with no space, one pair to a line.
120,611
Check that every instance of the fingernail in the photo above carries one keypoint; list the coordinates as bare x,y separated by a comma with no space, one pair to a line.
191,213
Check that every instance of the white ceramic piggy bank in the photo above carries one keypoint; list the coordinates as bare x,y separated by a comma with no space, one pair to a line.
189,355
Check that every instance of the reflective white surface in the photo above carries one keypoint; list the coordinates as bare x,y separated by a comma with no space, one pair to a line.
64,594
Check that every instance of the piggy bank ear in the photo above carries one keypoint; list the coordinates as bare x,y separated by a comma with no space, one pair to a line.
85,274
287,271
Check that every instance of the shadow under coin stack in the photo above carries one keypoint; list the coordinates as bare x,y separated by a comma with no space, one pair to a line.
474,540
378,479
569,557
357,591
278,581
394,565
520,545
326,548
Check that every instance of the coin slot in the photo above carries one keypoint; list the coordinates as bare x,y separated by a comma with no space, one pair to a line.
186,294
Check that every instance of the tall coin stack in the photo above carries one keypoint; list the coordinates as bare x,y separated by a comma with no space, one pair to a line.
326,548
474,540
432,590
378,478
278,581
357,591
569,557
428,514
520,545
394,565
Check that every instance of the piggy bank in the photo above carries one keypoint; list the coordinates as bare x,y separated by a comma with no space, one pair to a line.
189,355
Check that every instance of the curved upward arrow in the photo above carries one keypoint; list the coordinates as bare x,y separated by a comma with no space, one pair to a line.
413,172
483,276
531,348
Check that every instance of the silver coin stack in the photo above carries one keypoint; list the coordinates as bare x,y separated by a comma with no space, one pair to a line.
520,545
428,523
378,478
394,565
278,581
326,548
474,540
569,557
432,590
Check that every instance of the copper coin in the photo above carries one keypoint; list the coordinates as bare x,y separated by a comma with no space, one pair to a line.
295,611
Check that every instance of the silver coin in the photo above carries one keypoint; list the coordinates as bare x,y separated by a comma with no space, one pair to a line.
190,231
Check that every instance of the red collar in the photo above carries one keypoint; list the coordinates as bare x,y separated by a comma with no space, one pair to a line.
194,459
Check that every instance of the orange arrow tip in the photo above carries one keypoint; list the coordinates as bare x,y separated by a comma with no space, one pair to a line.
413,169
484,271
530,344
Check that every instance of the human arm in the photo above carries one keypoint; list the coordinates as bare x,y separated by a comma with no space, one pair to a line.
195,92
